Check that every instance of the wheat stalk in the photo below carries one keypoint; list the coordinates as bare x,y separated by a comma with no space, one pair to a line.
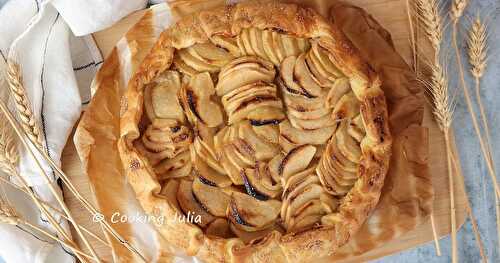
477,46
8,215
22,102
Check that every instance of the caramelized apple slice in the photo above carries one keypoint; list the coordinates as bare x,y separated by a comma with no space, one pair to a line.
356,128
266,115
207,173
301,137
256,42
279,50
347,145
183,67
212,54
302,74
188,56
191,206
198,101
268,132
262,150
340,87
226,43
323,59
287,76
259,183
303,214
246,211
347,107
178,166
296,160
313,124
269,48
219,228
210,197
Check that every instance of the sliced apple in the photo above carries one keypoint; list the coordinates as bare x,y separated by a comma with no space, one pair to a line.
245,210
169,190
160,99
266,115
212,54
260,184
302,74
190,205
324,60
287,76
339,88
263,150
346,108
347,145
256,42
269,132
211,197
279,50
188,56
268,46
178,166
183,67
356,128
248,237
301,137
325,121
296,160
226,43
207,173
219,228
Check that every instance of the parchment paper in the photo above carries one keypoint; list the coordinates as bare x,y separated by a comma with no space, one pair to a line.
407,194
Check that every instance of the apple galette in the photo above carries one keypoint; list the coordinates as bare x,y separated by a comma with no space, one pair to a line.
261,120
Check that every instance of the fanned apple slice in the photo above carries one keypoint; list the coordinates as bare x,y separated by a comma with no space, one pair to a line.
279,50
303,114
290,45
219,228
243,71
241,45
160,99
274,167
245,210
301,137
252,104
320,74
314,124
226,43
329,183
338,161
302,74
239,94
346,108
198,100
324,60
169,191
340,87
245,40
269,48
266,115
207,173
213,54
189,204
269,132
304,213
187,56
183,67
207,157
178,166
296,179
210,197
263,151
329,203
347,145
296,160
287,76
220,142
256,42
302,103
259,183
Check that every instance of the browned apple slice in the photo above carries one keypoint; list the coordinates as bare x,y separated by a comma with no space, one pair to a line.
274,167
256,42
266,115
287,76
329,203
305,114
336,160
302,103
339,88
304,215
178,166
191,206
347,107
268,46
169,191
268,132
210,197
253,104
296,160
212,54
279,50
260,184
323,59
302,74
347,145
313,124
183,67
318,72
220,144
327,178
198,95
207,157
203,170
296,179
300,196
219,228
244,71
300,137
241,45
246,211
188,56
262,150
226,43
239,94
247,44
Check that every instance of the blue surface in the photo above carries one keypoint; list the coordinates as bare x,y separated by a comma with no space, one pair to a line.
477,180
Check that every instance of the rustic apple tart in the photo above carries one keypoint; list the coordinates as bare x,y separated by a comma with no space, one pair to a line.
262,121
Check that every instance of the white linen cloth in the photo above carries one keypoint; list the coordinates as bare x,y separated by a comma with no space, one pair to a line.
50,40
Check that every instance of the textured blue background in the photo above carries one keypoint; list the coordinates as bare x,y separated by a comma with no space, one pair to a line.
477,180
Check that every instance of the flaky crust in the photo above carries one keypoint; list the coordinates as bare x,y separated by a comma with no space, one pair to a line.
376,146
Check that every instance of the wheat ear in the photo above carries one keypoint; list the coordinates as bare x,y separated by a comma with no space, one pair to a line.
11,120
22,102
8,215
477,46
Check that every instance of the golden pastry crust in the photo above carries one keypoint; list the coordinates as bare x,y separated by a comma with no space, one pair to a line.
229,21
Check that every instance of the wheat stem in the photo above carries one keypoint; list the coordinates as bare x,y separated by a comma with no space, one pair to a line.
48,206
48,182
435,235
452,197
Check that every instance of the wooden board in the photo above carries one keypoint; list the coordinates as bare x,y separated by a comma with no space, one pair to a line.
392,15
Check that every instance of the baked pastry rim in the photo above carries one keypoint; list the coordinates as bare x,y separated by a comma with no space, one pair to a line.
301,22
